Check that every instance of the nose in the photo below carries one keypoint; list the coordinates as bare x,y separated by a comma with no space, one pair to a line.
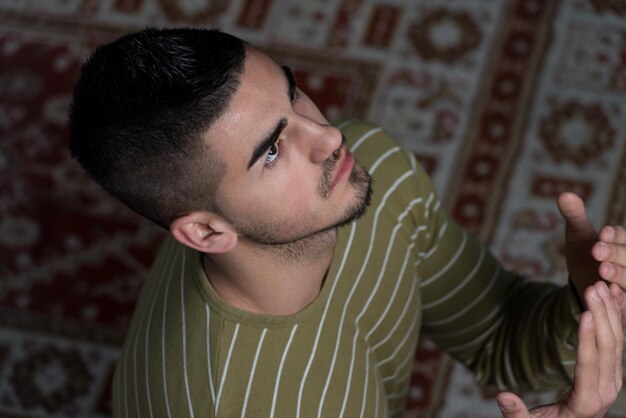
320,140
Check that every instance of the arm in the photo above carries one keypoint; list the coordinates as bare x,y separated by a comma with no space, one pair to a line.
511,332
598,371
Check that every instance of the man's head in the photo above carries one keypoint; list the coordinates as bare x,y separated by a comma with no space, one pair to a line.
140,110
290,174
225,147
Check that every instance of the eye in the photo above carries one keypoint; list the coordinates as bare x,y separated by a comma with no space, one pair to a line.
272,153
295,96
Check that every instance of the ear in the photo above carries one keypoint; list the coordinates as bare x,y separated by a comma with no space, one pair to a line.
205,232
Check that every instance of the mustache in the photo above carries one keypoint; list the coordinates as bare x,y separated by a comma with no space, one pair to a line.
328,168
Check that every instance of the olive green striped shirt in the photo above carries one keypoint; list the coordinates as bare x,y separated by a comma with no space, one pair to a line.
403,267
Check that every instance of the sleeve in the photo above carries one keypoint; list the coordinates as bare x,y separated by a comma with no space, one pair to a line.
514,333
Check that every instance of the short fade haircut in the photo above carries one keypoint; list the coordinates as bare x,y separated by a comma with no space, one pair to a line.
139,112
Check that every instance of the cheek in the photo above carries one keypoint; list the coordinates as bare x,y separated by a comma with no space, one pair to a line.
285,194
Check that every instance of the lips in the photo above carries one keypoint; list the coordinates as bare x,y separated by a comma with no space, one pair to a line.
344,165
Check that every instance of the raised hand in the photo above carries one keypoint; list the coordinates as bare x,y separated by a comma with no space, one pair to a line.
610,251
592,256
598,370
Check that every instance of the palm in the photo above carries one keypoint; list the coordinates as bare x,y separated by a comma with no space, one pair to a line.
582,267
550,411
570,406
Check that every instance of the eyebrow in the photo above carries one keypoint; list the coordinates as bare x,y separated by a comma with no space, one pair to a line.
267,142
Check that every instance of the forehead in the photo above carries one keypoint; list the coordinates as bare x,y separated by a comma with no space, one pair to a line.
259,68
260,101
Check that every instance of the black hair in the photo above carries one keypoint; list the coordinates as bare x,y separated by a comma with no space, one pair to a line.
139,112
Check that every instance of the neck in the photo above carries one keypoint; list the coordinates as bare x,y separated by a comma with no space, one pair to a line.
272,279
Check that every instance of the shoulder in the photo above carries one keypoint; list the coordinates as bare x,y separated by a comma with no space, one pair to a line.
369,143
373,146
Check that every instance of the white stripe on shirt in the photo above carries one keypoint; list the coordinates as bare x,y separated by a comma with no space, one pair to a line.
388,193
184,333
280,369
495,311
426,255
396,287
451,262
208,349
366,136
402,343
147,345
469,306
404,309
367,375
461,285
383,269
165,303
478,338
256,358
319,328
382,158
230,353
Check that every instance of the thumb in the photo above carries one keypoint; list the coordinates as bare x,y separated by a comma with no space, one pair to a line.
578,227
511,405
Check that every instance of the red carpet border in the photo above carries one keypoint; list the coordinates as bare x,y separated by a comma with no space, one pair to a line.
505,103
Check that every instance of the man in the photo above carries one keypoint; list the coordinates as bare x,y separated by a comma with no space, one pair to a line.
261,305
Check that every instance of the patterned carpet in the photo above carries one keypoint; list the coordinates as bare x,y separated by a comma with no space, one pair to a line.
505,102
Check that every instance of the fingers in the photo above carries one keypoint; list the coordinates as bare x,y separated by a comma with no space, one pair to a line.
511,406
613,234
572,208
610,338
602,307
610,250
618,295
597,375
611,245
596,382
620,299
613,273
586,369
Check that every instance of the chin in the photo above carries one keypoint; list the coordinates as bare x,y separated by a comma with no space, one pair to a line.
361,183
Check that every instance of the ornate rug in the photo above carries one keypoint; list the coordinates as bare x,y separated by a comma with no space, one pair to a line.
505,102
